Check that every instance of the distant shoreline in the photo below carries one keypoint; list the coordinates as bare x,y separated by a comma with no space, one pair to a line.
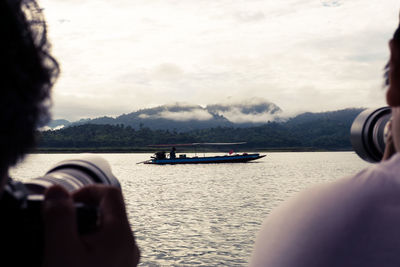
147,151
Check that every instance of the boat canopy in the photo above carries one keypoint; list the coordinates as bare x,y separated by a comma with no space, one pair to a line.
199,144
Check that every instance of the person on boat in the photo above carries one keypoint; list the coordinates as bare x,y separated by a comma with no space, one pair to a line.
28,72
160,155
172,153
351,222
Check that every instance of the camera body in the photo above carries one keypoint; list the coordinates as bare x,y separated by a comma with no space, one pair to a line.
21,226
368,133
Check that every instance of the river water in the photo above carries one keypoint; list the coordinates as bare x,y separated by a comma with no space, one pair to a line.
206,215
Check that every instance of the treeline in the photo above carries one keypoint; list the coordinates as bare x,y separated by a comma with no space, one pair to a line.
309,134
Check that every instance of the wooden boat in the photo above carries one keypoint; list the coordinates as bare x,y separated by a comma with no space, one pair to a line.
160,158
236,158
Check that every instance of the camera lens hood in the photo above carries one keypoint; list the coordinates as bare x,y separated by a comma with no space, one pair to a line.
74,174
367,133
95,166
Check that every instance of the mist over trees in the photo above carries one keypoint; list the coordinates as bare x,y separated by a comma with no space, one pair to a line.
308,131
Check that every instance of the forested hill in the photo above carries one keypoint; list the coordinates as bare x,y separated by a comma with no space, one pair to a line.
309,131
183,117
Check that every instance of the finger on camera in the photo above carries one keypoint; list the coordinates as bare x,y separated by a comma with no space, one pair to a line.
108,198
59,216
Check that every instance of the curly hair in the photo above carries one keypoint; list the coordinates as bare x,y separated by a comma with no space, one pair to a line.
28,72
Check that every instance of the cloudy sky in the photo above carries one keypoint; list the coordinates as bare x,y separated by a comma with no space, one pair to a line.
303,55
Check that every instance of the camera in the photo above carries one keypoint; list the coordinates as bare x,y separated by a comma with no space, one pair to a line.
368,133
21,226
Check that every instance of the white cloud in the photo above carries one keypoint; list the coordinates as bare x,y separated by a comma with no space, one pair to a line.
180,111
198,114
256,110
118,56
250,16
145,116
331,3
237,116
167,71
47,128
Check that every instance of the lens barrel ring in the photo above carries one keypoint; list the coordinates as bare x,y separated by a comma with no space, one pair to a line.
367,133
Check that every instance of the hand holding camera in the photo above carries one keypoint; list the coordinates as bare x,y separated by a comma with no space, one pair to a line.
112,244
72,216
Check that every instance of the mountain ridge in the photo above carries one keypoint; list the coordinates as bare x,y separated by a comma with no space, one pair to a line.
185,117
307,131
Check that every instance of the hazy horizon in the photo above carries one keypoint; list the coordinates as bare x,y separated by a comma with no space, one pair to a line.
283,114
234,112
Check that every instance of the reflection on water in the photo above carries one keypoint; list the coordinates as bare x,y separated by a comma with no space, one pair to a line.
206,215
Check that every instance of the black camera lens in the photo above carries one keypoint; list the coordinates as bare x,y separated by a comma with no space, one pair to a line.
368,133
22,203
74,174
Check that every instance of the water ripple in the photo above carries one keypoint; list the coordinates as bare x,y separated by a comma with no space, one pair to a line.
206,215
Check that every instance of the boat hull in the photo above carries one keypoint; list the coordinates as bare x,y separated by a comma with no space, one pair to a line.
206,160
